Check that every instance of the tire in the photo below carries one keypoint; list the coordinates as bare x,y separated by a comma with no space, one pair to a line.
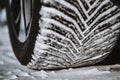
66,33
23,50
2,4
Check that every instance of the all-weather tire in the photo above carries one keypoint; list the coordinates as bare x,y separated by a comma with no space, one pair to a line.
65,33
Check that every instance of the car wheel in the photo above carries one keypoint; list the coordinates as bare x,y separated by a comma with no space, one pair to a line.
23,16
63,33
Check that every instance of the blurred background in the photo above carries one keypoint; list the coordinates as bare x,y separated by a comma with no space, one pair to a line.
3,20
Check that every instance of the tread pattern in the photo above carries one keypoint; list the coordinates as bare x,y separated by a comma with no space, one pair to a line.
75,33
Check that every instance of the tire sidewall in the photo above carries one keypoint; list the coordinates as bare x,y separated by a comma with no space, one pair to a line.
23,51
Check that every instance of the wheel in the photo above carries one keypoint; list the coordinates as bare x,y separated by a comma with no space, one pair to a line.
62,33
23,19
2,4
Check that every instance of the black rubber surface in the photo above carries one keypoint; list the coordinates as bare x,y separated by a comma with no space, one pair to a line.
114,56
24,50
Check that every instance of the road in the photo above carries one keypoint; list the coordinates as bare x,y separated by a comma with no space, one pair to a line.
11,69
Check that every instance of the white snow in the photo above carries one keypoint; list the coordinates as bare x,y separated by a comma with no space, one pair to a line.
3,15
1,62
1,76
20,73
94,71
58,79
11,77
8,73
53,73
42,74
70,69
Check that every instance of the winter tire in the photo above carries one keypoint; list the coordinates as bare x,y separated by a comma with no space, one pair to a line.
63,33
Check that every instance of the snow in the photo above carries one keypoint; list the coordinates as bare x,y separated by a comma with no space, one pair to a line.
8,73
58,79
1,62
42,74
1,76
3,15
52,73
11,77
94,71
70,69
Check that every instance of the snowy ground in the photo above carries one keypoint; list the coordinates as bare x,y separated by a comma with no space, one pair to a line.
10,69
